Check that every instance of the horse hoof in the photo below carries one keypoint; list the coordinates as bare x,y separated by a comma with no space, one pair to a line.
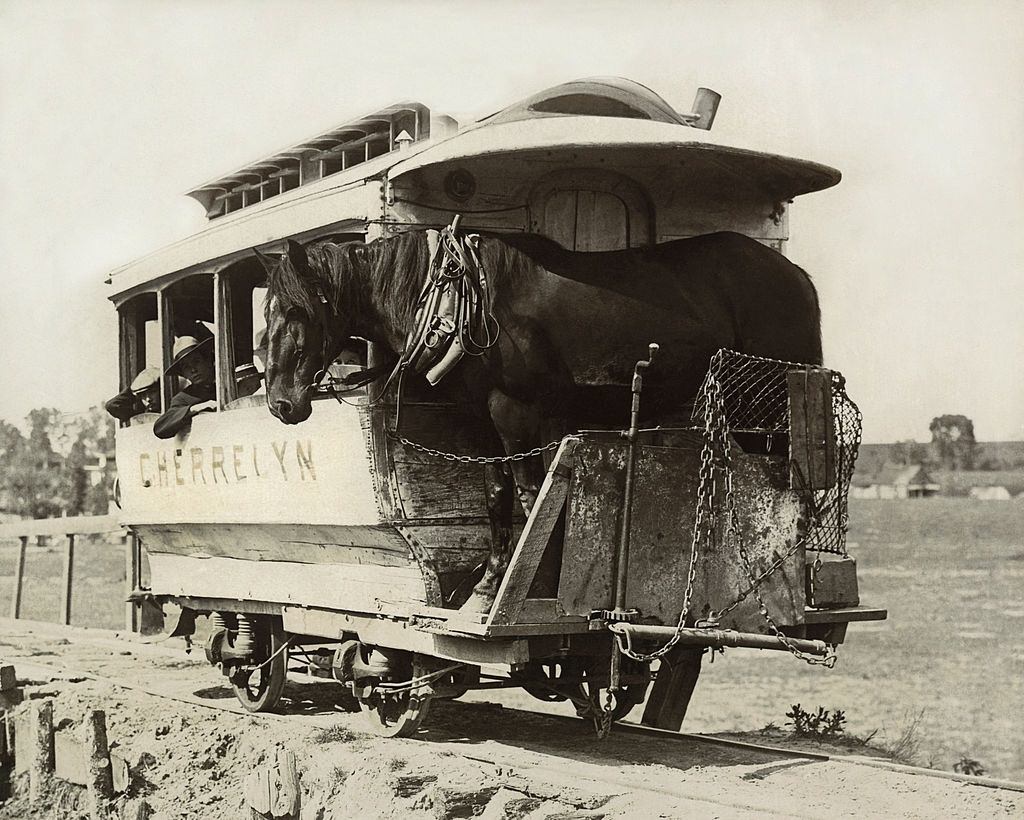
478,604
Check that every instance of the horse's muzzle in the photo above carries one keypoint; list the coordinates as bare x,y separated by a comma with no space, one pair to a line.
289,412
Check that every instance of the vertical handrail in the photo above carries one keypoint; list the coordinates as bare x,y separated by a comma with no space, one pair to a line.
19,578
132,577
69,574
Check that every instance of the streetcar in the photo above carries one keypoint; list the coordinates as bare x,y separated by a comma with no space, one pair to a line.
340,548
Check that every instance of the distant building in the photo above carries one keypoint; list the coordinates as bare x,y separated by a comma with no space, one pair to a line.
896,481
993,493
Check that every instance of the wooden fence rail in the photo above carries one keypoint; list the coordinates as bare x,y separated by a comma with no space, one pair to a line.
70,528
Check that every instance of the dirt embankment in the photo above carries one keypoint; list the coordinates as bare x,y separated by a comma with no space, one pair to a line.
475,759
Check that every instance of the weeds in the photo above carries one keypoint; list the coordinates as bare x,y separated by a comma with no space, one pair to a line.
334,734
908,744
824,723
968,765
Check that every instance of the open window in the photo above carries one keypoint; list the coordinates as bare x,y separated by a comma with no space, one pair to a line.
187,309
139,338
242,291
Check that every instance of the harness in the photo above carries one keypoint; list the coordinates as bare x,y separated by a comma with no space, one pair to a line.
452,317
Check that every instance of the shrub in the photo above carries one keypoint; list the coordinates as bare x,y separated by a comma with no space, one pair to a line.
968,765
824,723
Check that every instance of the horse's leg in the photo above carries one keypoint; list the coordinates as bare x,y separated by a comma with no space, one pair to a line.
498,490
517,424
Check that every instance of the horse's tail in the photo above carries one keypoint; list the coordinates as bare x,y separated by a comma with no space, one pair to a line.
816,354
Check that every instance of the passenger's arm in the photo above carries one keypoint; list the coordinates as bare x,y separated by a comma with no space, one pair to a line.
123,406
179,415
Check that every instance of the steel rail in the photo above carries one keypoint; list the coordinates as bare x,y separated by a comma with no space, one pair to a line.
618,728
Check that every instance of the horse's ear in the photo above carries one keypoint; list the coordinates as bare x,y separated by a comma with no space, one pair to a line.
268,262
297,256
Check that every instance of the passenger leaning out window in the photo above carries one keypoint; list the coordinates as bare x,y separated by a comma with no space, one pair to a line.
193,359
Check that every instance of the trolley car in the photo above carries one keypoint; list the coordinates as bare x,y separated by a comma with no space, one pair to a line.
335,542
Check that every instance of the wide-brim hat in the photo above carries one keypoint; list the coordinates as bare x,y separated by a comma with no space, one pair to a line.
145,380
184,347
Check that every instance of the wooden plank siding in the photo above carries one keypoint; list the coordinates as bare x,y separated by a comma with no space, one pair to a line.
351,587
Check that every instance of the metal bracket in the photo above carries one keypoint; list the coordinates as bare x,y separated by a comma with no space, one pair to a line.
626,616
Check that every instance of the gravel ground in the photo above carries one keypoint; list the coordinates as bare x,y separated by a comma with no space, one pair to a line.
475,759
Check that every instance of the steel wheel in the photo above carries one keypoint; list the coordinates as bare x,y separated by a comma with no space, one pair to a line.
259,689
397,714
546,680
457,683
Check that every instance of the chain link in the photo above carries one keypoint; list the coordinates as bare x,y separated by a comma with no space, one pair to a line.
603,717
716,457
464,459
703,532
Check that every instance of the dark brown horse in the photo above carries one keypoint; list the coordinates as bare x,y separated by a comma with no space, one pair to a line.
572,327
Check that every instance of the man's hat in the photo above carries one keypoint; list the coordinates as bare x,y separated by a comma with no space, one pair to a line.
185,346
146,379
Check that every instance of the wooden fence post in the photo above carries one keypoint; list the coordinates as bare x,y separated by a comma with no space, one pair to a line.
100,779
69,561
19,578
41,731
273,791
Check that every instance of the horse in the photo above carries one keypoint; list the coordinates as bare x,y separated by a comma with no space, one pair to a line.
572,326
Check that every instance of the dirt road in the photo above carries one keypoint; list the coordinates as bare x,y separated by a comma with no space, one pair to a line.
191,749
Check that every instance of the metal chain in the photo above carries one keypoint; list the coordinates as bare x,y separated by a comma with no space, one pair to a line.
603,717
464,459
705,498
717,438
717,615
730,511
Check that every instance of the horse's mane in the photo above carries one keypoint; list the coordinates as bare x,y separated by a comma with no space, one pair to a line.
287,290
396,267
326,263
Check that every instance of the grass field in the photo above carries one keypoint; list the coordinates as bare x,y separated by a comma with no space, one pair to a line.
944,676
98,590
945,672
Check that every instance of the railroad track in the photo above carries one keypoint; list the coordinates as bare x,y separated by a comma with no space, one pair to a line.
324,719
610,765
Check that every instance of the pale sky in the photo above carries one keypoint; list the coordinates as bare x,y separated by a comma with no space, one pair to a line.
110,111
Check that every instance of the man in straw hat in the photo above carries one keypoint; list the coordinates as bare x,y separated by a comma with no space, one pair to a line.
141,396
193,359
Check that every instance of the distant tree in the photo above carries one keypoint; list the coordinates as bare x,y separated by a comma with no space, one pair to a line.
51,471
908,452
12,446
32,469
87,475
953,442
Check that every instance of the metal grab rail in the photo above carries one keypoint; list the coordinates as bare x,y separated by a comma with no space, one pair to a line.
717,637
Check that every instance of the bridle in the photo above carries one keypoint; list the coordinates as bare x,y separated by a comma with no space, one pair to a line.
327,355
456,285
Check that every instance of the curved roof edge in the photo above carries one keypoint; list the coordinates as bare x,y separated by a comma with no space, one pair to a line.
583,133
593,96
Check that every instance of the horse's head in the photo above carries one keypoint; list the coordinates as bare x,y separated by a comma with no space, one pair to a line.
299,343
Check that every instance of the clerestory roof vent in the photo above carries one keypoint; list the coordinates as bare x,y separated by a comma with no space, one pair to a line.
608,97
336,150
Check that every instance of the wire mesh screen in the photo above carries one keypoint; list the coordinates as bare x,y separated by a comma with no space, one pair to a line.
749,394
